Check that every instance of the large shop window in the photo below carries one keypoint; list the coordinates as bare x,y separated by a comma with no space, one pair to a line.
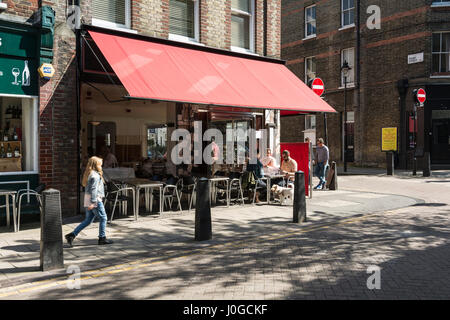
156,142
441,53
242,25
183,20
111,13
18,132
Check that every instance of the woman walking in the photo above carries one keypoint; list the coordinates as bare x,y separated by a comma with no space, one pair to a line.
93,200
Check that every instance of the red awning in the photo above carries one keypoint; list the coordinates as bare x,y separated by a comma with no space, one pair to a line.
158,71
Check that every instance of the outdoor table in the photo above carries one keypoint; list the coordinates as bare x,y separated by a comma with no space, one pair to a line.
12,194
148,186
214,181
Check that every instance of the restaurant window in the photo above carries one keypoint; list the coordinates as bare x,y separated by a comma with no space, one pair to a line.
18,132
111,13
242,25
310,69
310,21
183,20
441,53
349,56
347,12
156,142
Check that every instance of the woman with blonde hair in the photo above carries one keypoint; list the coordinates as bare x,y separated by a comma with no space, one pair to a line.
93,200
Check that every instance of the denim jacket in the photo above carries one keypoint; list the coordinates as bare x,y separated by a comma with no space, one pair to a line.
95,187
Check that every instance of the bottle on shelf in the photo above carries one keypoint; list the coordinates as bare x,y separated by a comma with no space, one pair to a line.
15,136
17,152
2,151
8,113
14,112
5,135
9,151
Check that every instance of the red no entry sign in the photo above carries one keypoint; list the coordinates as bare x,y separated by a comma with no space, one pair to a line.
421,96
317,86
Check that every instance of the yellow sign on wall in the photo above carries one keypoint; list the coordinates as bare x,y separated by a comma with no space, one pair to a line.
388,139
46,71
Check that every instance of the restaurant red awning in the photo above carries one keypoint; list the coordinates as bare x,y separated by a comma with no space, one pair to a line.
159,71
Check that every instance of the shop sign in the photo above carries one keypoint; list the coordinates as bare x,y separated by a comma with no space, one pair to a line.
46,71
18,61
388,139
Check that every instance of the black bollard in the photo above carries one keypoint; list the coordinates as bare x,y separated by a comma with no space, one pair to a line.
390,163
299,198
51,255
203,228
427,165
333,184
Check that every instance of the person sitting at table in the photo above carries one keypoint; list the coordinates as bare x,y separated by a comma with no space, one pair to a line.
258,170
288,165
171,172
270,163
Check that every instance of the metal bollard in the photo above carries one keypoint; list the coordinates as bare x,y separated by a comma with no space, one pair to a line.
427,165
299,198
333,183
203,228
51,255
390,163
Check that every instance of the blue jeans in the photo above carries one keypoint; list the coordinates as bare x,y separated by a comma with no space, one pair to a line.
320,170
90,215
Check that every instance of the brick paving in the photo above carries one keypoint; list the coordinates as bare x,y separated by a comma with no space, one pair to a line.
276,259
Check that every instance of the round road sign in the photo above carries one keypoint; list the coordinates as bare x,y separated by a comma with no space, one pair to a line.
318,86
421,95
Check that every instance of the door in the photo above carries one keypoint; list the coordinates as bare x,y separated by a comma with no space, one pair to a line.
440,144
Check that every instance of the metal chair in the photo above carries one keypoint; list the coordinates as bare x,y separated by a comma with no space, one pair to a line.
170,192
236,185
119,193
28,205
190,190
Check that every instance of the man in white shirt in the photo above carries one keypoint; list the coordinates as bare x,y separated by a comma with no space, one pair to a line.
269,162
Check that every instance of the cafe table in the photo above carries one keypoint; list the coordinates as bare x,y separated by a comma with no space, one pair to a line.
147,185
213,184
12,194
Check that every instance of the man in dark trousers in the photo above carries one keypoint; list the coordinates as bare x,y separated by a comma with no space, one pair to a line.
322,155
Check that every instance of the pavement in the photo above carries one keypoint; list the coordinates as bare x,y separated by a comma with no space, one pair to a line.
399,224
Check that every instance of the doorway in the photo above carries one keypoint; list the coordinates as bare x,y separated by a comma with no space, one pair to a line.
440,139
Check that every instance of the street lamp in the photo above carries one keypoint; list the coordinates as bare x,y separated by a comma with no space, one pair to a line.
345,70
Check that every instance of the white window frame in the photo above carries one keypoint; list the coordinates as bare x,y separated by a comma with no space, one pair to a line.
310,116
345,26
437,74
118,26
196,40
351,65
306,22
440,3
306,68
251,28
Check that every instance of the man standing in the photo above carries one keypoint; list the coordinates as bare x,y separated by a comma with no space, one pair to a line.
322,156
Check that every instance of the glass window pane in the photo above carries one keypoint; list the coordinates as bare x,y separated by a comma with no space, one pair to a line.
313,12
240,31
436,42
352,16
445,42
182,18
243,5
346,18
445,65
109,10
345,4
435,66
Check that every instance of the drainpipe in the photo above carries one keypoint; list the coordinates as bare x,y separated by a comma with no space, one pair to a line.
358,71
265,28
402,86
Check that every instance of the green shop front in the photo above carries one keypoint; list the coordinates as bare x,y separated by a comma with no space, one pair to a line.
19,109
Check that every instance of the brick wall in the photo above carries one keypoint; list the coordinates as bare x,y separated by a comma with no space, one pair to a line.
406,28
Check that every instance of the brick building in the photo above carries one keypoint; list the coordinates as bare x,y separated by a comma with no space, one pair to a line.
84,107
409,50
